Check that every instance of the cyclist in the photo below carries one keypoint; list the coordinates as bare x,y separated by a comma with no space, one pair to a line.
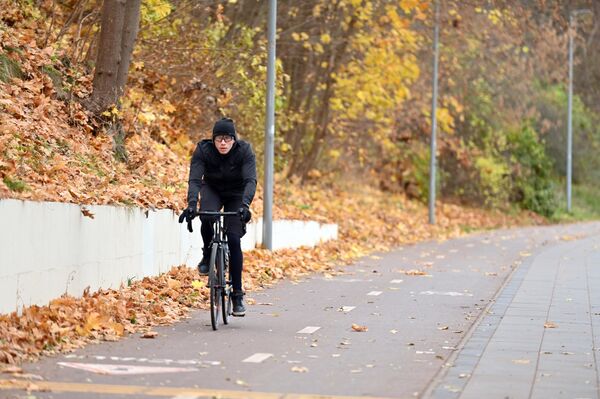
223,172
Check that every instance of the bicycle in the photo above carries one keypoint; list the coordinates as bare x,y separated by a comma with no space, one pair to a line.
220,288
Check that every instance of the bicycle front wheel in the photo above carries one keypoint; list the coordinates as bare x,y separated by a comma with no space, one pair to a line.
216,296
215,288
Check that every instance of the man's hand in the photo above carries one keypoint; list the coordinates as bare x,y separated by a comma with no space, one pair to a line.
188,215
245,214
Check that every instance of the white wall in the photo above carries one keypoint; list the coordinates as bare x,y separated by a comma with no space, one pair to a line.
49,248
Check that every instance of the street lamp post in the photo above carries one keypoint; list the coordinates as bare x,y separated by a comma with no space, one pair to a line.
432,159
572,20
270,131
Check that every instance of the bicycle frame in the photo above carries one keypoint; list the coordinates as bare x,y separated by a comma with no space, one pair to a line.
219,237
220,288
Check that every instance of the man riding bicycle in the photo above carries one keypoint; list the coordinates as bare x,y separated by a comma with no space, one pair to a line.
223,172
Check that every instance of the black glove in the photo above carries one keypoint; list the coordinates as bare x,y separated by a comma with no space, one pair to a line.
188,215
245,214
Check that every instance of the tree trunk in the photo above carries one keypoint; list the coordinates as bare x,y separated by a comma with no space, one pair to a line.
131,26
118,32
106,90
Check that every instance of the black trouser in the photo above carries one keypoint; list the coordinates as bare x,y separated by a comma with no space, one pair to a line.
212,200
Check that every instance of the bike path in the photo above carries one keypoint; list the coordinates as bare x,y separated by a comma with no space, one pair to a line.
297,339
541,337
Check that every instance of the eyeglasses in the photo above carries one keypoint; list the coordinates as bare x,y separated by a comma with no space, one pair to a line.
225,138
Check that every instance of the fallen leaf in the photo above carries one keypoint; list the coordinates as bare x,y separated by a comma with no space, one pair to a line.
11,369
86,212
413,272
173,284
550,324
197,284
359,328
443,328
299,369
150,334
118,328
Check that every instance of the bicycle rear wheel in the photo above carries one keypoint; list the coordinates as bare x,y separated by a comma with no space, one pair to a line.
215,289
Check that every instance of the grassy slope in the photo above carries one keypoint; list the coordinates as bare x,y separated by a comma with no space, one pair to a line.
585,204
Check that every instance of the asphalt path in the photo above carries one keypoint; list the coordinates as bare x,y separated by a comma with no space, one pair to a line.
418,305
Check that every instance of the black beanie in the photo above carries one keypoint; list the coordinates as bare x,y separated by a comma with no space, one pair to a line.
224,126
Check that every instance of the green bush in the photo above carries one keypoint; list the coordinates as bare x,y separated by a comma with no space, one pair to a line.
493,182
551,102
532,177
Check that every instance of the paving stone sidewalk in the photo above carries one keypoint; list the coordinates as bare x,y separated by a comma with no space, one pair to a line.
541,336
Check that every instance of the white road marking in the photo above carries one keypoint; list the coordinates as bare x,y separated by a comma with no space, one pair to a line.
257,358
186,362
374,293
308,330
396,281
450,293
122,369
347,309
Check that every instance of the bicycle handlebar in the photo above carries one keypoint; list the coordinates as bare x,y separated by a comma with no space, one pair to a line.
216,213
182,217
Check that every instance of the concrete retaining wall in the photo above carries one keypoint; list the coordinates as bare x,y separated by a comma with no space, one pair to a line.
49,248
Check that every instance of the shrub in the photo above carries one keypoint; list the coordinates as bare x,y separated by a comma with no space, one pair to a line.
531,171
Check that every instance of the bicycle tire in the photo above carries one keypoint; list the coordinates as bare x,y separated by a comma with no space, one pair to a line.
222,282
215,289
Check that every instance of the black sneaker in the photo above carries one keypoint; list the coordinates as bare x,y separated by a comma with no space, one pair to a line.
239,310
203,265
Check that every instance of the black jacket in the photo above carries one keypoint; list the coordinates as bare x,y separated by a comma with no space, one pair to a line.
233,174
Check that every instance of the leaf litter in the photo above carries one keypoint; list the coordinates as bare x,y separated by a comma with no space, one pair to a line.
51,151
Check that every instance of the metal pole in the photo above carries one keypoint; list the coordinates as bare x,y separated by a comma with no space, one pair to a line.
432,171
570,116
270,130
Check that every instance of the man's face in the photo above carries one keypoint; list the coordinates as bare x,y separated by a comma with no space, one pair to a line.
223,143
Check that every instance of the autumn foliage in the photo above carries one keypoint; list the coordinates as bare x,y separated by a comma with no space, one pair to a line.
353,105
